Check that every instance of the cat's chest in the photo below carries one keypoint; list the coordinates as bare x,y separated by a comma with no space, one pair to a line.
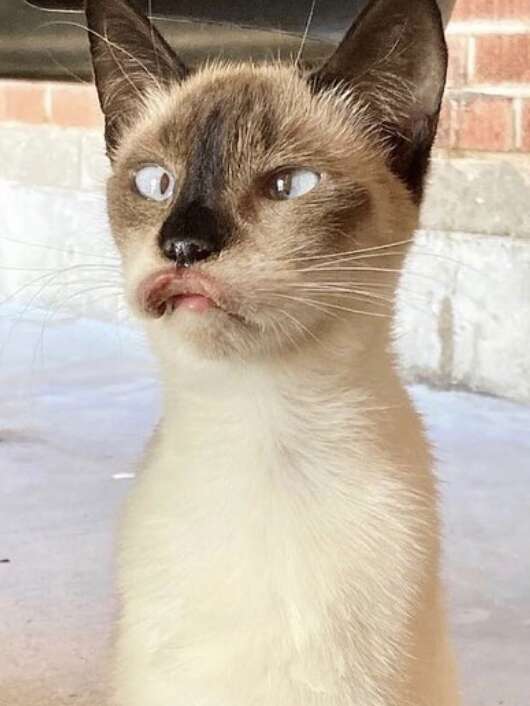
245,532
248,505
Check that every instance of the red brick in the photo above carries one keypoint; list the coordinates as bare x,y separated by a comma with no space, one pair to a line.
23,101
3,105
485,123
525,127
443,136
447,136
491,10
75,106
502,58
458,52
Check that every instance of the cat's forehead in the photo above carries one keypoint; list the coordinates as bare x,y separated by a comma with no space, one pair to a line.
247,108
248,118
224,107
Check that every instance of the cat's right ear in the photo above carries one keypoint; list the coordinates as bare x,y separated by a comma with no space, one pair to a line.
129,57
394,58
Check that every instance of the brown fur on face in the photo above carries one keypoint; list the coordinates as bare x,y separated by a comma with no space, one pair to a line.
286,270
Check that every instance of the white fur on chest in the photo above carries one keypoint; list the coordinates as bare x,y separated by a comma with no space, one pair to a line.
261,545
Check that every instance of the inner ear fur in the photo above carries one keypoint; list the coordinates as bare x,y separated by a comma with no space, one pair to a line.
394,58
129,57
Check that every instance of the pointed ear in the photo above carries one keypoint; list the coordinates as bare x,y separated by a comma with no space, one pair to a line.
394,57
129,57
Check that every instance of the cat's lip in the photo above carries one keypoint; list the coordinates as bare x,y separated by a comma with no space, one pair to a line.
173,288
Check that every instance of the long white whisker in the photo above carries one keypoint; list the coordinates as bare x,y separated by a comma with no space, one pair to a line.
44,246
302,326
306,32
358,251
325,306
112,45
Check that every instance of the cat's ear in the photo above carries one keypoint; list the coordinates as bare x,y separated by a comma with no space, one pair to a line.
129,57
395,58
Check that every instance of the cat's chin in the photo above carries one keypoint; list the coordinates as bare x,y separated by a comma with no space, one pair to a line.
212,335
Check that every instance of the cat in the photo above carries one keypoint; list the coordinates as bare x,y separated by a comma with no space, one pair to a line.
281,544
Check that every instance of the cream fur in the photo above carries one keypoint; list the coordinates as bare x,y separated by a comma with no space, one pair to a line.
281,544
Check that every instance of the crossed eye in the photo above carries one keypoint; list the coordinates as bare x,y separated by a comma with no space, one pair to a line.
154,182
291,183
157,184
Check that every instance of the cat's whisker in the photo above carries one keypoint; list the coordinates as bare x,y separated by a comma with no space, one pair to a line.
280,330
349,285
421,298
338,307
360,268
112,46
357,251
338,290
346,284
55,248
358,292
60,305
152,32
59,270
417,253
49,278
302,326
49,282
301,300
373,253
306,32
12,297
325,307
55,310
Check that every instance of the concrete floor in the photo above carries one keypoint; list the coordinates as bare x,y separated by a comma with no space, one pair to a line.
78,400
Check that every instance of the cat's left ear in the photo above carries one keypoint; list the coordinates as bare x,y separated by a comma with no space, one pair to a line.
394,57
129,57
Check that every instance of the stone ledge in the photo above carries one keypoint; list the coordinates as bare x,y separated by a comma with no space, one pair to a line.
483,196
51,156
464,313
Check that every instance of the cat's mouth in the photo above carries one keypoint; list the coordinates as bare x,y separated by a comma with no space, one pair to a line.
172,289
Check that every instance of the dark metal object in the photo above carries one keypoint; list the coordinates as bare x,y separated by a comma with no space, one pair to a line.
45,39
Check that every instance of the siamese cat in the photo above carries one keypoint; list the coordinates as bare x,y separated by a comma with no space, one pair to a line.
281,544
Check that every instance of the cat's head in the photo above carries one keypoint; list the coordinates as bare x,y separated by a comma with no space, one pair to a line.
255,206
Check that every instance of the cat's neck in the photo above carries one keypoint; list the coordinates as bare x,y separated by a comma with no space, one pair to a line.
347,361
342,390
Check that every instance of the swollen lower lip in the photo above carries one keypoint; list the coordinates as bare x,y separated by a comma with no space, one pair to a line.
192,302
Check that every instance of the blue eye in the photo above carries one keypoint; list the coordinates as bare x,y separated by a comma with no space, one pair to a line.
292,183
154,182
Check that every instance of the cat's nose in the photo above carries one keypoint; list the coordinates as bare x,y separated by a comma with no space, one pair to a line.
192,232
188,251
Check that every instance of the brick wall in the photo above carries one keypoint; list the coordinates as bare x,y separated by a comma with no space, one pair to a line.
61,104
487,106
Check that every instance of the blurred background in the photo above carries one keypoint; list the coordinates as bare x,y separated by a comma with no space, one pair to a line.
79,395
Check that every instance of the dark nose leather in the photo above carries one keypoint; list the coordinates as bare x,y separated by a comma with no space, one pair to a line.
191,233
185,253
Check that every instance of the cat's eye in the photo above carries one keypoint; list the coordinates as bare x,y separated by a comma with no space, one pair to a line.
154,182
291,183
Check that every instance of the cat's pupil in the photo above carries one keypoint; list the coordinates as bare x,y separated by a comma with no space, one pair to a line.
164,183
283,185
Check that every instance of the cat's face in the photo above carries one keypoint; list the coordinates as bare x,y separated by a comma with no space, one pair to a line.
254,206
